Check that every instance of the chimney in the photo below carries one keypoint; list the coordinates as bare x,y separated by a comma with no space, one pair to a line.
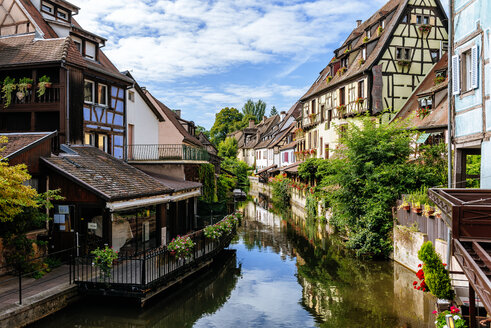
252,123
282,115
178,113
265,118
144,89
358,22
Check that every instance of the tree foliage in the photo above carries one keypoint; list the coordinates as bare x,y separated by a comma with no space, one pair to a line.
273,111
228,148
240,170
437,277
257,109
370,172
202,129
14,194
225,120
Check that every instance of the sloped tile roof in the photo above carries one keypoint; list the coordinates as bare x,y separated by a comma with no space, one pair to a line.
110,178
17,142
438,116
174,183
320,85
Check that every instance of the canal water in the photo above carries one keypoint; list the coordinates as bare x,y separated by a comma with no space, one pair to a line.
278,273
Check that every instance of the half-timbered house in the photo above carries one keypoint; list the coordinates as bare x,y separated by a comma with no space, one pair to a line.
84,99
375,70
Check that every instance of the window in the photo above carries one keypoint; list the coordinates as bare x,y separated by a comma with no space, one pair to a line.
342,99
435,55
90,50
329,119
403,53
78,42
89,91
369,33
285,157
352,94
364,53
426,20
321,143
103,142
312,108
102,94
131,96
89,139
361,89
62,14
465,71
47,8
405,18
326,151
344,62
420,19
322,113
383,24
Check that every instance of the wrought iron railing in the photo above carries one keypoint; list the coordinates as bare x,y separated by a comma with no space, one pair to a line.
166,153
134,275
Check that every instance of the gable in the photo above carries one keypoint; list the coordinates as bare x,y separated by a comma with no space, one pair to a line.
13,20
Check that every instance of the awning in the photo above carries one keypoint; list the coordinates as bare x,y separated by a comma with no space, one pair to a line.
423,137
267,169
137,203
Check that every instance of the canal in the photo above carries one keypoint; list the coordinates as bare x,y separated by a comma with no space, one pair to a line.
277,273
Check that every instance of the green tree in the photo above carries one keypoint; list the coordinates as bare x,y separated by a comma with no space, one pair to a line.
228,148
14,194
201,129
256,109
244,123
225,120
370,173
273,112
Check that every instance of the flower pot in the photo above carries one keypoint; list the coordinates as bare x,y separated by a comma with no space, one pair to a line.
417,210
48,84
406,207
173,253
28,86
20,95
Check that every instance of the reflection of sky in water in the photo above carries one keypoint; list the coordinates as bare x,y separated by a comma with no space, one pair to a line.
266,295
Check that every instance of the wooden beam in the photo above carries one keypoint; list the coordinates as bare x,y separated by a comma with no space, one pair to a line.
472,307
483,255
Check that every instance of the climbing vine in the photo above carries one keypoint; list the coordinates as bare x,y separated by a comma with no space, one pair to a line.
207,178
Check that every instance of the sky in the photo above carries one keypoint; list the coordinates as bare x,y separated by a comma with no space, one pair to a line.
201,56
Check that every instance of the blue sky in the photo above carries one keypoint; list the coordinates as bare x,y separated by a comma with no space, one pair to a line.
201,56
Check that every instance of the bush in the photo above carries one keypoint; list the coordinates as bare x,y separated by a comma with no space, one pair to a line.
281,191
311,205
437,277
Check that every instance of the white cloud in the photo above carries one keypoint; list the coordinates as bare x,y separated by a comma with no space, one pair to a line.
167,40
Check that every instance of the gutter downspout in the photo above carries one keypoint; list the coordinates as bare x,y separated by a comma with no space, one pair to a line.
450,100
67,129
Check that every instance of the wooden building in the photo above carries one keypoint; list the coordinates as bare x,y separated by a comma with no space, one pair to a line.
375,70
85,102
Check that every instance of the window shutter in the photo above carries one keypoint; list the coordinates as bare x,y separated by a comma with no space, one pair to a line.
455,75
475,68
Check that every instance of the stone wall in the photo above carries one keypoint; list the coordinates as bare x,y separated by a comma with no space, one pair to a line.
407,243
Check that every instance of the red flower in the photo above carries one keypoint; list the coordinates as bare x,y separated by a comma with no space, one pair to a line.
419,265
435,312
415,283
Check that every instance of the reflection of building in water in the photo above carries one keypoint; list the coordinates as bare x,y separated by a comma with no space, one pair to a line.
318,299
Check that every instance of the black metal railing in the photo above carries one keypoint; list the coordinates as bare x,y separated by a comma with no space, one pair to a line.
49,271
134,275
166,153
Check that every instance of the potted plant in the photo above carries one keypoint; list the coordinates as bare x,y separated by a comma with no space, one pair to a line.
359,101
404,63
428,210
328,79
342,70
341,109
417,207
24,84
439,79
361,61
438,214
422,112
404,205
103,259
7,88
441,320
44,82
366,39
380,29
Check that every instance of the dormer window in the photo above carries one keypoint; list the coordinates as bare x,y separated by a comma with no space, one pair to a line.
48,8
421,19
369,33
344,62
90,50
382,24
403,53
62,14
364,53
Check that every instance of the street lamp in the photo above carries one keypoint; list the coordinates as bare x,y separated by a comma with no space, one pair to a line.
449,320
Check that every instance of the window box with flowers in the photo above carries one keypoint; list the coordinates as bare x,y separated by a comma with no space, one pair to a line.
380,30
312,117
346,50
341,110
361,61
424,28
181,246
341,71
404,62
359,101
422,112
366,39
313,151
328,79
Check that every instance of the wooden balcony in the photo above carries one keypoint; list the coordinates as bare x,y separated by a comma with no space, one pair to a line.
31,101
468,213
166,153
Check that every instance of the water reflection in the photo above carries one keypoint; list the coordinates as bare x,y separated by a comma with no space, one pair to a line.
282,273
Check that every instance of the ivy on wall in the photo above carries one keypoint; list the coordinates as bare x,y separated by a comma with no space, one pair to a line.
207,178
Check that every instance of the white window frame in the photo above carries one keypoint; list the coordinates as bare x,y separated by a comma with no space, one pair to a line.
48,5
131,96
67,15
93,91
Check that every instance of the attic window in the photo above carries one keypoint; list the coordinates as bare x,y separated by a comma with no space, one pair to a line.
131,96
62,14
383,24
90,50
435,55
420,19
369,33
403,53
47,8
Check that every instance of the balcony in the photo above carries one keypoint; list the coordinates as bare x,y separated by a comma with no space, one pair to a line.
168,153
50,97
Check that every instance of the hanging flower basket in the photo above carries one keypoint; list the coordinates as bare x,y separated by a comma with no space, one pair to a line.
8,87
425,28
